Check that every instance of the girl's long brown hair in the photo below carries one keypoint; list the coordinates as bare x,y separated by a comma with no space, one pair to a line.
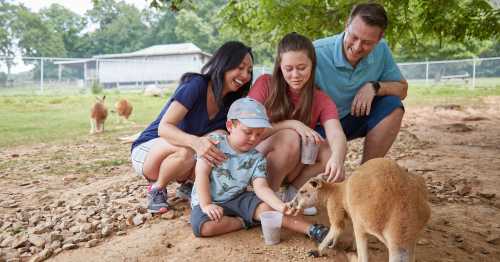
278,103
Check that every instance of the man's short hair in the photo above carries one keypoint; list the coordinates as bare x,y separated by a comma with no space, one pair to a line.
372,14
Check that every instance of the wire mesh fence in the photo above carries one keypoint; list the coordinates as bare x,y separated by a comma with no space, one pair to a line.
472,73
43,75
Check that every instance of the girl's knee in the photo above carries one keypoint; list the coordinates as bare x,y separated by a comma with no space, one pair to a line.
289,141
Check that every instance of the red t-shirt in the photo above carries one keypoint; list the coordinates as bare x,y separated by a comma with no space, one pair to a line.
323,108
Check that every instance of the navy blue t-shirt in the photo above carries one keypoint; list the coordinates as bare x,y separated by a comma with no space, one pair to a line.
193,95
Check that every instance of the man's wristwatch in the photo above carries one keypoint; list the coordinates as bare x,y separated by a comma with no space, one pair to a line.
376,86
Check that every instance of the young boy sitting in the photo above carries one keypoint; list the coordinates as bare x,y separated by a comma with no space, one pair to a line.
220,201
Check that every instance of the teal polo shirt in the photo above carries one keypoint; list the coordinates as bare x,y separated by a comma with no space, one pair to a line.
340,80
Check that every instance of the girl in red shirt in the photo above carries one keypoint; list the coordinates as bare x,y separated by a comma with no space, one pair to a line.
296,106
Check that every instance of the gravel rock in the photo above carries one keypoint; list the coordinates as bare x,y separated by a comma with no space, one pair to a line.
92,243
37,241
69,246
138,220
106,231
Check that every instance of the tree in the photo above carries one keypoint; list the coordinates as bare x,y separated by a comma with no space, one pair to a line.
412,22
161,27
7,39
120,28
36,38
66,23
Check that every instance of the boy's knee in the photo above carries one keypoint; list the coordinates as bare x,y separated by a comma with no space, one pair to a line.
262,207
206,230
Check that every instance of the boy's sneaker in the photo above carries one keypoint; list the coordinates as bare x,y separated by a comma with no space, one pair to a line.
318,232
157,200
184,191
310,211
288,195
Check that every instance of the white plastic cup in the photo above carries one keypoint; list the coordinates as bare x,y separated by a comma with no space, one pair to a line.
271,226
309,152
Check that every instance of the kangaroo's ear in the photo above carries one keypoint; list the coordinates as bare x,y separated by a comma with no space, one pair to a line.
316,182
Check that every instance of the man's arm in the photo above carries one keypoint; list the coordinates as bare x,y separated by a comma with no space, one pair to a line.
362,102
393,88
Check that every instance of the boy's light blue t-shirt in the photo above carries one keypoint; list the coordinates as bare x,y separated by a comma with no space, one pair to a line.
232,177
340,80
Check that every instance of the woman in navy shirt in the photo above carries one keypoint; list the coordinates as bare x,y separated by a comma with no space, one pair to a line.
166,150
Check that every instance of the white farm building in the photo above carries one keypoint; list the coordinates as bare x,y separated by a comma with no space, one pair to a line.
155,64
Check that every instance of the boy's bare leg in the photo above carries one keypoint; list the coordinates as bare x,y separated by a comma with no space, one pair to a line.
225,225
294,223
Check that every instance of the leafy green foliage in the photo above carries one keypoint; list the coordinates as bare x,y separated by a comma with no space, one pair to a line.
67,24
434,29
416,26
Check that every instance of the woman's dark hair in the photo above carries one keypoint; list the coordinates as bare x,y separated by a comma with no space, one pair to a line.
278,103
229,56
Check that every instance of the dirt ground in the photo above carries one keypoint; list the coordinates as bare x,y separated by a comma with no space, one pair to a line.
79,200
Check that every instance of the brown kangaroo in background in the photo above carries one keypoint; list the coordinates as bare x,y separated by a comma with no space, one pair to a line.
98,114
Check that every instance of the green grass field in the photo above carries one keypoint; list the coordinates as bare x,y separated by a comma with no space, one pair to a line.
35,119
30,119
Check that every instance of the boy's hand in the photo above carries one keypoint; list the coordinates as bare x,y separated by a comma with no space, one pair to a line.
290,210
213,211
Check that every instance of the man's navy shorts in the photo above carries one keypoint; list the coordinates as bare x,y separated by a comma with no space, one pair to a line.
355,127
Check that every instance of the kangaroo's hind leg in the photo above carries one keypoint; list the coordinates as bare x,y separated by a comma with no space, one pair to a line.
361,243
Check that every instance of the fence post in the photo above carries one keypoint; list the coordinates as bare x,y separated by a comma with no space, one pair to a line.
41,75
97,71
473,73
427,71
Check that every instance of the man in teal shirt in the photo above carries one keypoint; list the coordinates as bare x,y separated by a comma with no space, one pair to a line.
356,69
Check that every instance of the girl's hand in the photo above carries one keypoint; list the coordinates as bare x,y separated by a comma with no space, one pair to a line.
334,170
306,133
213,211
206,148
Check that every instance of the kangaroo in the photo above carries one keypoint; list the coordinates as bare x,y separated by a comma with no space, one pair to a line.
98,114
123,109
381,198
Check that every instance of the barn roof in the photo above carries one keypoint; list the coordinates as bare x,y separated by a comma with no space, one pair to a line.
157,50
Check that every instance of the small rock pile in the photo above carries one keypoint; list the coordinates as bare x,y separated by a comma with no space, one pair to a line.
36,233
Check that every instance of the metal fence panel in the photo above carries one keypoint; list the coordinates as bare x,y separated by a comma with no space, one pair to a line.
36,75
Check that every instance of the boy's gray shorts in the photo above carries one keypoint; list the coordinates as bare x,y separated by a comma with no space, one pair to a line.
243,206
139,154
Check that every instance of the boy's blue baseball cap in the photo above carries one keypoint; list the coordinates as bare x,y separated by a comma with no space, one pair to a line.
249,112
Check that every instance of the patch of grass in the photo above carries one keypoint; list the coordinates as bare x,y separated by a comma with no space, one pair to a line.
422,95
33,119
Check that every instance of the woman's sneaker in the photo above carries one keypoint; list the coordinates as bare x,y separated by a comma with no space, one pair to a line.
157,200
184,191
